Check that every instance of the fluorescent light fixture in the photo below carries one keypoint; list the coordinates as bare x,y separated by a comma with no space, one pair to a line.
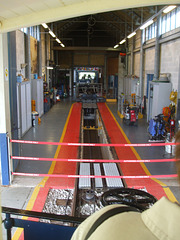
49,67
117,45
168,9
145,25
123,41
44,25
131,35
57,39
62,45
52,34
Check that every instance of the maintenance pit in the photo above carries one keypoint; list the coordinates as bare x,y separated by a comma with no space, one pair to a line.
90,190
85,199
92,194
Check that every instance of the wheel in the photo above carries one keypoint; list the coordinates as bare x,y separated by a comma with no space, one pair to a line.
128,196
126,121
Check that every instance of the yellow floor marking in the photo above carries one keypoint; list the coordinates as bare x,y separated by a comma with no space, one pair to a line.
32,200
167,190
111,100
120,115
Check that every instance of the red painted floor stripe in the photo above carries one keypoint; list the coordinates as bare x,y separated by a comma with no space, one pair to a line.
71,135
116,136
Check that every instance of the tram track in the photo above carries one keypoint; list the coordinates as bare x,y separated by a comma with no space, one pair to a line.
88,191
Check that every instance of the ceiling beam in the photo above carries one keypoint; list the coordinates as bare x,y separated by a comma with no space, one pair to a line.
79,8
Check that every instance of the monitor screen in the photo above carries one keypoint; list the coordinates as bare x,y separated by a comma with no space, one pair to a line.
84,75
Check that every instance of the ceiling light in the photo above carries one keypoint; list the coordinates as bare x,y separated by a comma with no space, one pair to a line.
49,67
117,45
52,34
62,45
131,35
123,41
44,25
145,25
168,9
58,40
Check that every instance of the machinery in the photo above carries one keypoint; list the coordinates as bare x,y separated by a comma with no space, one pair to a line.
157,129
89,91
130,109
131,115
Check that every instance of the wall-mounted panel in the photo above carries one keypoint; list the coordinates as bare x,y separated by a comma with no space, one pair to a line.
20,52
33,43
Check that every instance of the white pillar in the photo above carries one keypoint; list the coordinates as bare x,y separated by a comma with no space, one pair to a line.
2,92
5,126
121,73
4,86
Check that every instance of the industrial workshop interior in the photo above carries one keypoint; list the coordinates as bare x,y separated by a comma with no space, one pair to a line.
89,111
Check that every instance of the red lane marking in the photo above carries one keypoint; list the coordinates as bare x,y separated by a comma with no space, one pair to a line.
97,144
92,160
89,176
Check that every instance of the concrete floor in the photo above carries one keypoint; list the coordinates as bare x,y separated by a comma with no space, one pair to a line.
52,123
50,130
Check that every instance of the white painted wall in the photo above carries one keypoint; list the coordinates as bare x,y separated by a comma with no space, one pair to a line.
169,62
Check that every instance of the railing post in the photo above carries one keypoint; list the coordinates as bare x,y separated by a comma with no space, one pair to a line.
4,157
8,223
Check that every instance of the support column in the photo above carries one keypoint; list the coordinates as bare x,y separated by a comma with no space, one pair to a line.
157,51
2,90
141,80
4,110
47,58
132,57
4,156
13,93
39,53
105,84
178,101
121,75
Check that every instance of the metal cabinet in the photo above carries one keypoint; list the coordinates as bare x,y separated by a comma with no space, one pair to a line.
24,107
158,98
37,95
